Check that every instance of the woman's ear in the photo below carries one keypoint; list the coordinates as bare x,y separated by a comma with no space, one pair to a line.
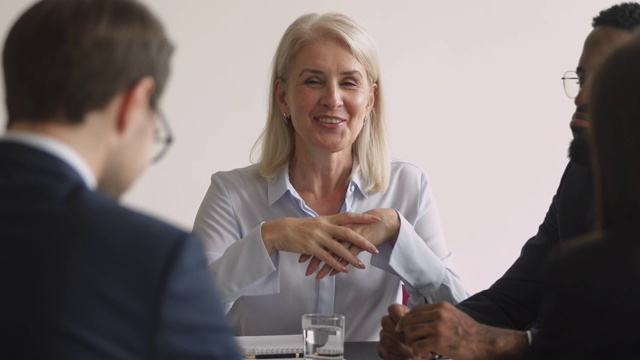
281,97
136,101
373,94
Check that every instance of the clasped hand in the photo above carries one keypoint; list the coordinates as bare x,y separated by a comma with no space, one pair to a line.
327,238
422,332
441,328
386,229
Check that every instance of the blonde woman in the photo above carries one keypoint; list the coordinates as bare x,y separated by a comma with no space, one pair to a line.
324,188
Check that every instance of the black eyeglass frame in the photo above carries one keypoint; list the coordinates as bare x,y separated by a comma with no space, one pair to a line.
164,141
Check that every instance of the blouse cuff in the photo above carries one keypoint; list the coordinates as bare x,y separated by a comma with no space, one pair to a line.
411,260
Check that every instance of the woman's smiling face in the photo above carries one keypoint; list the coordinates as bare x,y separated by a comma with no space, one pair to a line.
327,94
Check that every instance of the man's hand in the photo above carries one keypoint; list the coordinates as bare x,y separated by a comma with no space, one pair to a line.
391,345
443,329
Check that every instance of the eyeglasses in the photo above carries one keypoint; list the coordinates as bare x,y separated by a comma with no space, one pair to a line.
162,139
572,83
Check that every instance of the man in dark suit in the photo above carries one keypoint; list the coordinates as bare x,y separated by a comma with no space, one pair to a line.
83,277
594,287
500,322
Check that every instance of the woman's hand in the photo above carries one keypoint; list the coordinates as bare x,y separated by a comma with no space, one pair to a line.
321,237
385,230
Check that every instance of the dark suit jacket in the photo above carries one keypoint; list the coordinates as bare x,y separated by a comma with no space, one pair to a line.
591,307
84,278
514,300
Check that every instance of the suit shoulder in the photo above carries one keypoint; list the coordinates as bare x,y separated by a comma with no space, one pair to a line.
104,215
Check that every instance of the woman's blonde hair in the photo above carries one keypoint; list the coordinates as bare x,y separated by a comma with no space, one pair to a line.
277,138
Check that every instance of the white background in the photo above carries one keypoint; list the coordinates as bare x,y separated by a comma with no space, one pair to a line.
473,92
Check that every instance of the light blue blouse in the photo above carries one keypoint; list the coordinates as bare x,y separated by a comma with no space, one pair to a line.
267,295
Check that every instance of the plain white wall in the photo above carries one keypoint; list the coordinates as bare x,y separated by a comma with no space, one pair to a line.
473,91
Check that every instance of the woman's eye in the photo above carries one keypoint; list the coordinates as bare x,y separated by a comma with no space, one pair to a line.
312,81
350,83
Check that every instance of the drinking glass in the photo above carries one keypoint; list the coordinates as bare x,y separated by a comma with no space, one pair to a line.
323,336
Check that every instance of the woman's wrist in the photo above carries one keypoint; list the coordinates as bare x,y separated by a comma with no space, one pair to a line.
267,238
394,228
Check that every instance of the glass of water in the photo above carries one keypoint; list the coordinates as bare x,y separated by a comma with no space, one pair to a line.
323,336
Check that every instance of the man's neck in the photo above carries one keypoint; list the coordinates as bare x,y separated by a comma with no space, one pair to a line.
579,151
83,139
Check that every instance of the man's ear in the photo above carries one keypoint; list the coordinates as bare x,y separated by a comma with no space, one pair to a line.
280,97
136,99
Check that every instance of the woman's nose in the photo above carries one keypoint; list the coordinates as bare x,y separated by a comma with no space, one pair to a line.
332,97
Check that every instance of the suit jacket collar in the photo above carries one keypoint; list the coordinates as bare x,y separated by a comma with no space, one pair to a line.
56,148
23,161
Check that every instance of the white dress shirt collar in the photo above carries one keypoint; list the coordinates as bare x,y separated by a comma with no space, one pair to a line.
56,148
281,184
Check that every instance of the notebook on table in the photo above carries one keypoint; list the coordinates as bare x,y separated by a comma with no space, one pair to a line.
290,347
271,347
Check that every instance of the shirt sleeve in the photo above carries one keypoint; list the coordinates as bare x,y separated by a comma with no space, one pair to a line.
239,263
420,256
